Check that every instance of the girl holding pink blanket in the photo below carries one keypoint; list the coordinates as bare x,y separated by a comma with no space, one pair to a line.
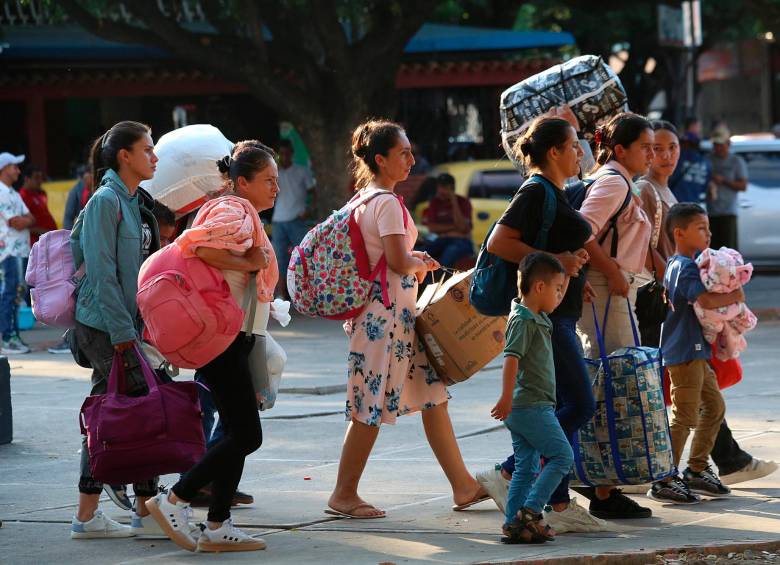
227,234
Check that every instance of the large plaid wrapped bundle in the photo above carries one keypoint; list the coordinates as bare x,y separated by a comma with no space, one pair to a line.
627,441
586,84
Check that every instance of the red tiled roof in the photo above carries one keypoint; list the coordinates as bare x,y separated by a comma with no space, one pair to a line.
434,74
120,80
128,80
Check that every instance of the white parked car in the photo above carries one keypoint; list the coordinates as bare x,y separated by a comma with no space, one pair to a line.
758,222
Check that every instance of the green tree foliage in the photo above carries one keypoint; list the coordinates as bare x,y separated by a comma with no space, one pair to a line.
609,26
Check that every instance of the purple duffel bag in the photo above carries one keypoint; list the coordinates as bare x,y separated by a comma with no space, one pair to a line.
136,438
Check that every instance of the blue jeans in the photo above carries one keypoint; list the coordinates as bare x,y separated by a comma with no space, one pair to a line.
448,250
10,278
210,432
575,402
285,236
535,431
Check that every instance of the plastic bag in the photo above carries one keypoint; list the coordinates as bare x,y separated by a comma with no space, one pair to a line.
586,84
187,174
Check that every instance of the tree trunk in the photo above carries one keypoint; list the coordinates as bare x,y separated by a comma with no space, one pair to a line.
328,137
329,147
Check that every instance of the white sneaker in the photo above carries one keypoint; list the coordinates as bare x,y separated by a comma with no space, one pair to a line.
756,469
173,519
495,485
100,526
147,527
195,527
575,519
228,538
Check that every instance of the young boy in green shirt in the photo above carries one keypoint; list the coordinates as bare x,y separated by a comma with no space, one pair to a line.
527,402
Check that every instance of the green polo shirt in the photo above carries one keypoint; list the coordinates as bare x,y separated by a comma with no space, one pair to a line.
528,337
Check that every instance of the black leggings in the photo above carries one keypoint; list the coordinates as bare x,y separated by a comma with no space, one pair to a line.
230,382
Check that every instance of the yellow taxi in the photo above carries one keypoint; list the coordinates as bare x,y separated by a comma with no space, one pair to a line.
488,184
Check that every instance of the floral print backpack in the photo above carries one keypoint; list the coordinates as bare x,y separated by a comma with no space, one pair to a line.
329,275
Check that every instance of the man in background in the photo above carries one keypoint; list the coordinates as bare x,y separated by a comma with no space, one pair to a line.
37,202
77,196
15,224
294,206
448,216
729,177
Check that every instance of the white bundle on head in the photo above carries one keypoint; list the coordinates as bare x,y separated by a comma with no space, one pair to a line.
187,173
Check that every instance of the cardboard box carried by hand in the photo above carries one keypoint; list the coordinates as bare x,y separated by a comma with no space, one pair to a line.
459,340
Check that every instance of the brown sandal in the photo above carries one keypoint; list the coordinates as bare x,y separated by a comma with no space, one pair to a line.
528,527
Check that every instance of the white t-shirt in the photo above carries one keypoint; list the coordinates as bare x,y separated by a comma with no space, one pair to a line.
13,243
294,182
237,281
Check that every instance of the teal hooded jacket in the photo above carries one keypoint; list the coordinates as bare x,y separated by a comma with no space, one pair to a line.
107,239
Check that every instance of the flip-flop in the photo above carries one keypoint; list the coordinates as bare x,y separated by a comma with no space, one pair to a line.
476,500
351,512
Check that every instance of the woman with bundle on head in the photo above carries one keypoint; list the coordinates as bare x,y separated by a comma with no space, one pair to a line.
113,235
227,234
551,154
389,373
621,229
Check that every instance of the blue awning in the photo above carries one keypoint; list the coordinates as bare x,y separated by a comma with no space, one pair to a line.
68,43
437,37
71,42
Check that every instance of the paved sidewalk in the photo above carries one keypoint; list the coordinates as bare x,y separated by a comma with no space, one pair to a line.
763,294
292,474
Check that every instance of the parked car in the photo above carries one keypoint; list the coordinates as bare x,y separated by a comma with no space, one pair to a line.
758,214
488,184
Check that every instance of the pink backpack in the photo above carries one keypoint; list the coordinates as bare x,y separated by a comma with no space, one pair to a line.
53,279
329,274
189,314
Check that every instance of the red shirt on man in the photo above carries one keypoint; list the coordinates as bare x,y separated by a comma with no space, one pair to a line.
38,203
439,211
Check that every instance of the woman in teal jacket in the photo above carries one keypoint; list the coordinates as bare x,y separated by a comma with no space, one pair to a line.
112,237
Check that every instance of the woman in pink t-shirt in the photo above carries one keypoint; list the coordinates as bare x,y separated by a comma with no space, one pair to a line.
389,373
617,254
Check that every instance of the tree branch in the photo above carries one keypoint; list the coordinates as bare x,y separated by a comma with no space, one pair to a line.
382,42
214,12
331,33
109,29
209,51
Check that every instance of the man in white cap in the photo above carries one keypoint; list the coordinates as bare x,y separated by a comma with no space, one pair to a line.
15,224
729,177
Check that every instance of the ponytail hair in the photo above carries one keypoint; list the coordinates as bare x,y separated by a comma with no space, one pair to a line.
247,158
623,129
542,135
372,138
106,148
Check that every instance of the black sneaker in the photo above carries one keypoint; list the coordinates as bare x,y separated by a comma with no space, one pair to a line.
674,491
118,495
242,498
706,482
618,507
